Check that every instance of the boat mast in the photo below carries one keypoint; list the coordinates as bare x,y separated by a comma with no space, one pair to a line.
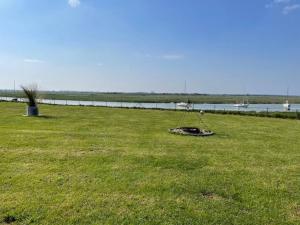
15,88
185,92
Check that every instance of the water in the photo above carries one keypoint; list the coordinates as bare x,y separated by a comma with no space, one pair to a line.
227,107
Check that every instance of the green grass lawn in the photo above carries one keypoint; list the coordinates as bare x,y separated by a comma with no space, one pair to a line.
88,165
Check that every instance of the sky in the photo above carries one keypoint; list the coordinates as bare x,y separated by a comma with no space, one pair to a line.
216,46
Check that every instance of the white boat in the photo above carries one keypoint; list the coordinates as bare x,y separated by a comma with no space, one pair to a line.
287,106
241,105
244,104
185,105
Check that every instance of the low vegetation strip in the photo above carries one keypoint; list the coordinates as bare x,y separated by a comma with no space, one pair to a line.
94,165
156,98
281,115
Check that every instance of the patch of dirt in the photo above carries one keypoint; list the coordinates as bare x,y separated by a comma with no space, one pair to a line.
297,211
211,196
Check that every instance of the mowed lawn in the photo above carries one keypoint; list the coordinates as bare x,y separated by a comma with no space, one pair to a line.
88,165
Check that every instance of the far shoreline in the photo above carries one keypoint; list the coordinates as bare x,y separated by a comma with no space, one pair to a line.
140,97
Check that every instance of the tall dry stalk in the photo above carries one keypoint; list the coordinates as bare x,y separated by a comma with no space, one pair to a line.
31,94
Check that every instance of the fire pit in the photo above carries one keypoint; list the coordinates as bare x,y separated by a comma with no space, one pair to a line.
191,131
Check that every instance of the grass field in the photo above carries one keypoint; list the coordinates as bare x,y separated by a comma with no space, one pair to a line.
88,165
156,98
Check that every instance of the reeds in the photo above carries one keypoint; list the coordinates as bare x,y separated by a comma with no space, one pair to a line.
31,94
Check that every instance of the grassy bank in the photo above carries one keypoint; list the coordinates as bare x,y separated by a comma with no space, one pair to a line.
279,115
90,165
157,98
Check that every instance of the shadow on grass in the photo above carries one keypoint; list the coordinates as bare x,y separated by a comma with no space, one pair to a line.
47,117
42,117
9,219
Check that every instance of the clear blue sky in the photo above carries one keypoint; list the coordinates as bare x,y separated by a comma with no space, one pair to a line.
221,46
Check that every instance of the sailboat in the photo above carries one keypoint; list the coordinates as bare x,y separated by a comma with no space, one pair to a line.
185,105
287,105
242,104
